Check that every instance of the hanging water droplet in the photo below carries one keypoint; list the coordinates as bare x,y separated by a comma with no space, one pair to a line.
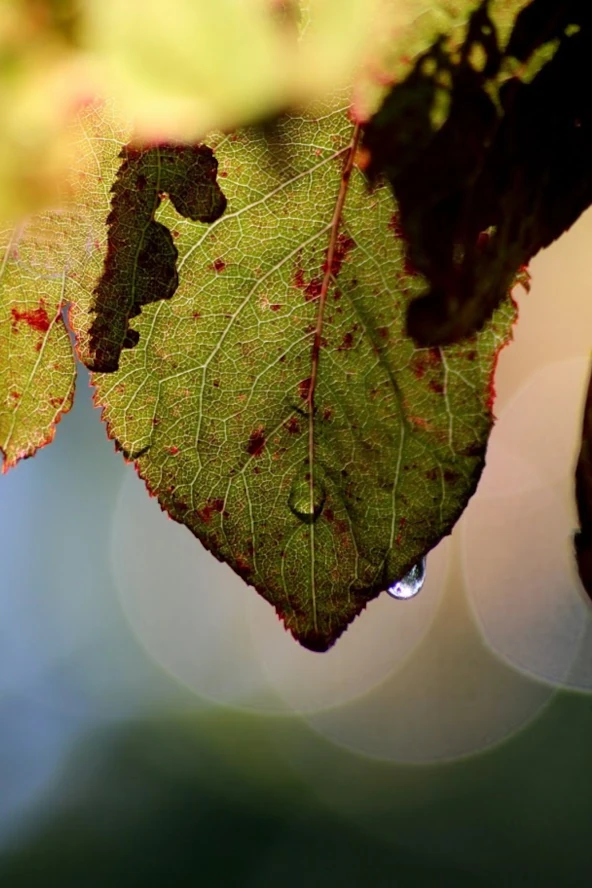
307,505
411,583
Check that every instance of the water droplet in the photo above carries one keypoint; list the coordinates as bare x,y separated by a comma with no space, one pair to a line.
411,583
306,507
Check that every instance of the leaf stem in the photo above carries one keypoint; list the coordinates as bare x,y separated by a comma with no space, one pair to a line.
316,345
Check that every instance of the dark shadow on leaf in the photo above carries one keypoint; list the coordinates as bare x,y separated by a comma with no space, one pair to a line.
504,175
141,261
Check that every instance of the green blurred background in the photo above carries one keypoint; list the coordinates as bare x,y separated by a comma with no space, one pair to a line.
159,728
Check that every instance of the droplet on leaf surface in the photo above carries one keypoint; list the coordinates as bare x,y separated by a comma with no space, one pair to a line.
411,583
307,498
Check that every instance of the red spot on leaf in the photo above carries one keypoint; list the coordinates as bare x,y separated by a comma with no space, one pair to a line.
343,246
212,506
304,388
419,365
173,450
256,442
292,426
328,414
436,386
299,279
275,307
394,225
408,267
311,290
36,318
218,264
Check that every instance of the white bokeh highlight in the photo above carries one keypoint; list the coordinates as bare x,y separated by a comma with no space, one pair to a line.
518,532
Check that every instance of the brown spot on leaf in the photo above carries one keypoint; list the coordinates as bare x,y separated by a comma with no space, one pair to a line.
418,365
256,442
346,342
242,566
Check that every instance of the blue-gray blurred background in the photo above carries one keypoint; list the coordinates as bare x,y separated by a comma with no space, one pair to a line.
158,726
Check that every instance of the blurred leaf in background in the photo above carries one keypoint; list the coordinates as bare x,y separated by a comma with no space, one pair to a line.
177,72
44,79
181,69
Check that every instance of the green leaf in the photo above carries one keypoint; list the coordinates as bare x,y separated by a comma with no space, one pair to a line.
487,146
49,262
37,368
274,405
